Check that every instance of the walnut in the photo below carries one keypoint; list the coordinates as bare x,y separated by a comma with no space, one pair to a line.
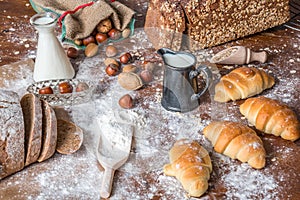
104,26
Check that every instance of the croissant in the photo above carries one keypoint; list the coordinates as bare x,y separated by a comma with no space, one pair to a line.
242,83
236,141
272,117
191,165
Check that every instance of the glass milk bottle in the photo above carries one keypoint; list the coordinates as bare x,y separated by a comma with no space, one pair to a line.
51,60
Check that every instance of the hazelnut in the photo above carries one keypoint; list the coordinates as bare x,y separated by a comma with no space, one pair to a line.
129,68
111,51
88,40
65,87
104,26
146,76
126,58
114,34
81,86
126,101
72,52
126,33
78,42
91,50
46,90
150,66
112,69
101,37
108,61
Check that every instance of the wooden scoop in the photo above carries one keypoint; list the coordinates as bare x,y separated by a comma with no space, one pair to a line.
238,55
113,151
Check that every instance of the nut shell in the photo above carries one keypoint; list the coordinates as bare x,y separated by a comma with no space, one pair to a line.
108,61
104,26
126,101
81,86
65,87
126,33
129,68
111,51
46,90
91,50
130,81
146,76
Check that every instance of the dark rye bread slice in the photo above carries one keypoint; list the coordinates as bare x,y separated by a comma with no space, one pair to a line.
69,137
32,114
11,134
49,132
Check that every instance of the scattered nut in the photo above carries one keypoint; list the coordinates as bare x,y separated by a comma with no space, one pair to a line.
81,86
104,26
112,69
130,81
101,37
78,42
114,34
108,61
46,90
146,76
126,33
126,58
111,51
91,50
72,52
150,66
88,40
126,101
129,68
65,87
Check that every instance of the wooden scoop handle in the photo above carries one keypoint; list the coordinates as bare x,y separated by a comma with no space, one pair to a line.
258,56
107,182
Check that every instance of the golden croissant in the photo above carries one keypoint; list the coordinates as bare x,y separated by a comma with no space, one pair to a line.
271,116
236,141
242,83
191,165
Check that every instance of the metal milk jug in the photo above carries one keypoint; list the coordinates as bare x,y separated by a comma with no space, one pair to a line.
180,86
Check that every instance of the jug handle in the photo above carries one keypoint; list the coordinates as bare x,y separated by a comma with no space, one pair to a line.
163,51
208,76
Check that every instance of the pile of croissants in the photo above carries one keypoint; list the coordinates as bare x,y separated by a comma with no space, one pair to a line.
190,163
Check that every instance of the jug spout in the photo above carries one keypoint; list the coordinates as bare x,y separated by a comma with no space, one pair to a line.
163,51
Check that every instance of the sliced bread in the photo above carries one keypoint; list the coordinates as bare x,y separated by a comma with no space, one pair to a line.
69,137
11,134
49,132
32,114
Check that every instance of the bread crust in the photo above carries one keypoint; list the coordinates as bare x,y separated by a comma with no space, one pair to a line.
190,163
49,132
236,141
242,83
272,117
12,134
32,113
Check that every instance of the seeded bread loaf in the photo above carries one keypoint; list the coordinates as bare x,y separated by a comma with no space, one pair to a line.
11,134
208,23
32,114
165,24
49,132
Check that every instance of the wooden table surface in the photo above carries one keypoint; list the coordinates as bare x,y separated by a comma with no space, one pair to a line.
18,42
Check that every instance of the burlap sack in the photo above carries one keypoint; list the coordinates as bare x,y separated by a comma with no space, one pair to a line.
82,23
